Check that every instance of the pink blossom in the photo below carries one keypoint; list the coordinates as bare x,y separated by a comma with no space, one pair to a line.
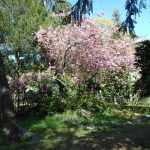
86,49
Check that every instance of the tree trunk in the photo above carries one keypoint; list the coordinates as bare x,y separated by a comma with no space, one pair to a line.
7,115
17,56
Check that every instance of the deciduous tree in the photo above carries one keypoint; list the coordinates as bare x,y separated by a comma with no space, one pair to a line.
88,48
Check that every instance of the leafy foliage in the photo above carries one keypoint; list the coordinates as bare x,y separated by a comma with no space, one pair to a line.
18,24
143,64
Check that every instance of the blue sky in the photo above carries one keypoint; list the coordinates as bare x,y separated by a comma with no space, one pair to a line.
142,28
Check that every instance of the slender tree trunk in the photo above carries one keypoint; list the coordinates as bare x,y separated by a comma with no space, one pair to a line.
17,54
7,115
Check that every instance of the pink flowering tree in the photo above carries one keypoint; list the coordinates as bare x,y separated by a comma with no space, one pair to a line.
86,49
79,54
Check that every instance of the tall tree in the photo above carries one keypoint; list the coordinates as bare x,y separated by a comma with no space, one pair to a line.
49,4
133,8
7,115
62,6
81,8
19,21
116,16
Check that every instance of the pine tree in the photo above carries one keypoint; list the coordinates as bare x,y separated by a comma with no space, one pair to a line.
116,17
81,8
133,8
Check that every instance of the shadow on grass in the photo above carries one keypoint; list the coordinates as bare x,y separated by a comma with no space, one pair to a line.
127,137
72,132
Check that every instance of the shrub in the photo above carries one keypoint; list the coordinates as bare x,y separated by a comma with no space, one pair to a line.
143,64
94,64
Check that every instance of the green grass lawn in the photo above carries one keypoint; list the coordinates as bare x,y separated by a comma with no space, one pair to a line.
72,130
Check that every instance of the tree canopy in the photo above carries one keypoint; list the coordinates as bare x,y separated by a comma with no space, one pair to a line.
132,7
78,10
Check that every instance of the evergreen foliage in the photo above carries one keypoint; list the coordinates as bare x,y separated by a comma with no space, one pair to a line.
143,63
81,8
116,16
133,8
18,23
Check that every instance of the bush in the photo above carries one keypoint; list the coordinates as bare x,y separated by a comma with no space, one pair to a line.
143,64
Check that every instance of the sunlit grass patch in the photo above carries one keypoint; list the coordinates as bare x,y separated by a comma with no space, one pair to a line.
59,131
